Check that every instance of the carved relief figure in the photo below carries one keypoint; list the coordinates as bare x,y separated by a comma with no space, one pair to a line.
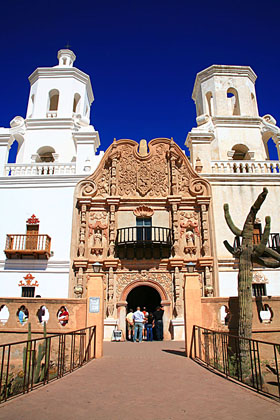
189,232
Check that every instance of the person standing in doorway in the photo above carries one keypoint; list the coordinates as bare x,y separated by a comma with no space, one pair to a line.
130,324
149,327
145,322
138,318
158,315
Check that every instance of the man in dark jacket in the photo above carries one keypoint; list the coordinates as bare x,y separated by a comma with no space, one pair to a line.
158,315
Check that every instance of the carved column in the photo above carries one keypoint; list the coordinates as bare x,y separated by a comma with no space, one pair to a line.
111,293
178,293
205,230
82,236
112,203
114,160
173,202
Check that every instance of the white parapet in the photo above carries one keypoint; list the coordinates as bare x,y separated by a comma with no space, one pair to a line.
245,166
39,169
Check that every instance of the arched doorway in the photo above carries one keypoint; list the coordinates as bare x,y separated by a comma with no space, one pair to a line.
143,296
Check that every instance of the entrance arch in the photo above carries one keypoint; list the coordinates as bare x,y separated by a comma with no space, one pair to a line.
156,295
143,296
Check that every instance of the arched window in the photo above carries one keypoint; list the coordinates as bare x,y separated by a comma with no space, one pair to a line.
233,100
76,103
241,152
45,154
209,98
53,100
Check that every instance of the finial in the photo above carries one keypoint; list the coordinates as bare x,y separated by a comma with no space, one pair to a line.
68,46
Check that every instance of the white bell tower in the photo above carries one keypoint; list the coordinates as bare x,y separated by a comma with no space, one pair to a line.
228,123
57,126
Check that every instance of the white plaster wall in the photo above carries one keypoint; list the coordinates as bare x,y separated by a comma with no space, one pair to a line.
219,85
240,198
61,140
67,87
227,137
53,205
52,283
228,283
128,219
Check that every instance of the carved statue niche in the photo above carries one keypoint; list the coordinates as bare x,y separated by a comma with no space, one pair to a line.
98,232
82,234
189,232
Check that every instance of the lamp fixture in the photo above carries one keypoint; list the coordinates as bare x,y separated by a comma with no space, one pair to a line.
190,267
96,267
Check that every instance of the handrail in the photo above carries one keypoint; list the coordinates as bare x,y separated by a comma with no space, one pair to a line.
144,234
23,242
273,240
39,169
221,351
44,359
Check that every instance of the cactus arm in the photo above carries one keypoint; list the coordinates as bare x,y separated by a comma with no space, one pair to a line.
231,225
255,207
270,253
259,249
230,248
267,264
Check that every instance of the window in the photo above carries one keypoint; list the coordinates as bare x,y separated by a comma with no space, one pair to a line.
233,100
27,291
144,231
53,100
76,103
240,152
259,289
257,234
45,154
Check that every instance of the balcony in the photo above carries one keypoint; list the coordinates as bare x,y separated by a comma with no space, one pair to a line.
28,246
144,242
39,169
246,167
272,243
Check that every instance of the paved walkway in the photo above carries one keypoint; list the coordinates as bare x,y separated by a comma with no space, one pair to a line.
150,381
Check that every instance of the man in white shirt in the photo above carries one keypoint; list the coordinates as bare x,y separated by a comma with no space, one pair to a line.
138,318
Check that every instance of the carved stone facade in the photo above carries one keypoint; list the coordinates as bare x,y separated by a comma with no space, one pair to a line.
152,205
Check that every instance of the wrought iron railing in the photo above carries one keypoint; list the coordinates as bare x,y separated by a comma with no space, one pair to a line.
27,364
273,240
28,244
144,234
221,351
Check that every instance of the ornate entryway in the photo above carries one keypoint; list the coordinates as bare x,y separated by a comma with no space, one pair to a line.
143,216
143,296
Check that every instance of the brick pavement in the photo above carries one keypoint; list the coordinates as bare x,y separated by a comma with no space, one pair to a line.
150,381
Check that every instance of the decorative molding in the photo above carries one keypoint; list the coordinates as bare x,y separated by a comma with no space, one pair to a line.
33,220
29,281
259,277
143,211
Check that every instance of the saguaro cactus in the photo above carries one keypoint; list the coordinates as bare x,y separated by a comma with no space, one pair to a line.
248,253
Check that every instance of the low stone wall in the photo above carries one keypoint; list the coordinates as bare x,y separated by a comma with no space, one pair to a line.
267,331
12,330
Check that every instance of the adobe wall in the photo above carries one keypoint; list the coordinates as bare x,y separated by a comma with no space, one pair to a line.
211,317
13,330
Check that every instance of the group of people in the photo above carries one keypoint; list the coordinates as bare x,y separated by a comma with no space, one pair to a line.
140,324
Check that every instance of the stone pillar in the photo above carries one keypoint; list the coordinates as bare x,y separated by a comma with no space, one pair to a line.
193,309
121,307
95,289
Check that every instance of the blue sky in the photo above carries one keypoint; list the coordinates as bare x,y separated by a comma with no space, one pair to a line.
142,57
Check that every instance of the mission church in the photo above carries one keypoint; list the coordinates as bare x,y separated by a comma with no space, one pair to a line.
143,215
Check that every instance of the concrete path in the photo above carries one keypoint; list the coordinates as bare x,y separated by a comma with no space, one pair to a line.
150,381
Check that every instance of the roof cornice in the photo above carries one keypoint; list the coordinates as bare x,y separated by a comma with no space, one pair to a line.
60,72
